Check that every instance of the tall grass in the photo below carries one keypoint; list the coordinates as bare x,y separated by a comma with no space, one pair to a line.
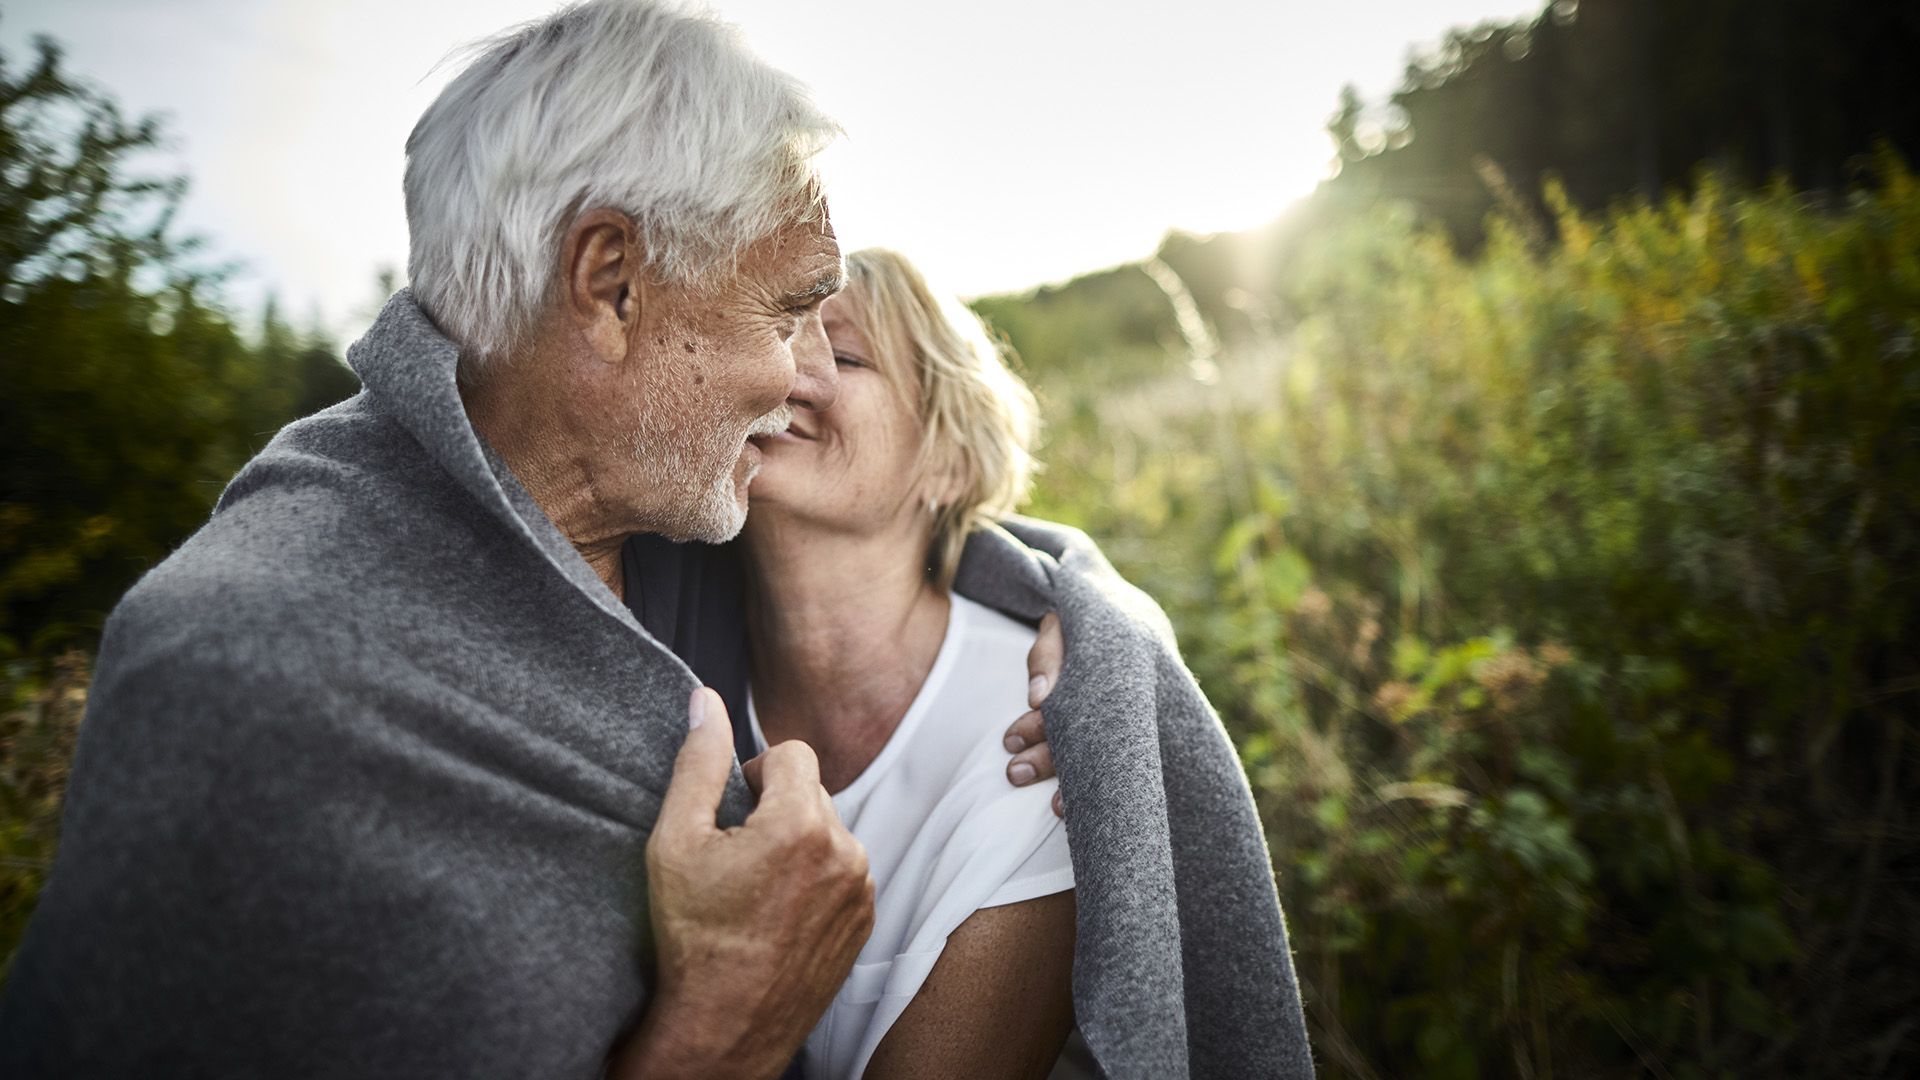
1562,601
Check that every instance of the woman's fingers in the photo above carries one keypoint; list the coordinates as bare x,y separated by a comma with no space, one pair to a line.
1043,660
1031,765
1029,730
1027,738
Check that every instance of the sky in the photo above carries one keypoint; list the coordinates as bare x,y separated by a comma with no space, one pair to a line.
1002,144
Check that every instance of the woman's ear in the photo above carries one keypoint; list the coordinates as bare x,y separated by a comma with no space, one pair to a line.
602,282
947,479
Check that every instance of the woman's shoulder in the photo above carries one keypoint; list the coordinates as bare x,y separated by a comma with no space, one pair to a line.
982,675
988,633
1030,567
977,691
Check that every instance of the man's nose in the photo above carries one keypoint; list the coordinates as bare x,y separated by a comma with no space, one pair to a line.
816,379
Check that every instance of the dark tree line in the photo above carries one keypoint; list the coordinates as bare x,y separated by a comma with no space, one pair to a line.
1619,97
127,396
1614,98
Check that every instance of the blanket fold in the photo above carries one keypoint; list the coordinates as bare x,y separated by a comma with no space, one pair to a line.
1181,967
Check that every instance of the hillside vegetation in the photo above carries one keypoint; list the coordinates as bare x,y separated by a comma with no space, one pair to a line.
1553,568
1561,599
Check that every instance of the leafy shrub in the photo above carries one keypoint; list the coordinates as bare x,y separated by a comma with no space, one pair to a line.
127,397
40,709
1561,600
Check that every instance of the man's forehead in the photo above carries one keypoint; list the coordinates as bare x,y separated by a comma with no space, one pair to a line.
826,281
797,263
815,270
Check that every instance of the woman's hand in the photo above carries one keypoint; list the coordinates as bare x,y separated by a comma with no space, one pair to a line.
1027,738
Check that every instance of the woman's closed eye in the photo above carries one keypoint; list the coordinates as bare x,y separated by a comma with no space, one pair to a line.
849,360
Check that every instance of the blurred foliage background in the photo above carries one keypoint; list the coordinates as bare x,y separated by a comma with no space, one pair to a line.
128,396
1538,503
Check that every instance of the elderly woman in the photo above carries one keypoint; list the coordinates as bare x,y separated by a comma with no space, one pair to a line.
860,648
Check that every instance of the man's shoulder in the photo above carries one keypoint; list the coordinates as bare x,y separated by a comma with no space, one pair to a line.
308,529
348,454
333,497
214,606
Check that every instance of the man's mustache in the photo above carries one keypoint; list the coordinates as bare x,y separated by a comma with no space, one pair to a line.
773,423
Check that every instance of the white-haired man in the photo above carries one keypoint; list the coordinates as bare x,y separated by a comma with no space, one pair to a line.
383,772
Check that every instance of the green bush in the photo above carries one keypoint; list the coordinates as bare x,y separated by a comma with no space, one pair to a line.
40,709
127,396
1561,600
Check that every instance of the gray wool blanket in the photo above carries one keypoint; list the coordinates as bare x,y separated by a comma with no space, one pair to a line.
1180,964
370,762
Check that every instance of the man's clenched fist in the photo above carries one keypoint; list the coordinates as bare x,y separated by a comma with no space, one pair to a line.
756,926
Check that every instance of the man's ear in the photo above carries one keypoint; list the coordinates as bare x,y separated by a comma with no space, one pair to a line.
602,281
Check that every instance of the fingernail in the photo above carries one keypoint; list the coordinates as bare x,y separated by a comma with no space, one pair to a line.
1036,689
697,709
1015,743
1021,773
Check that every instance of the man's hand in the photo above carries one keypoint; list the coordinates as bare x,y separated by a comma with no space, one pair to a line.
1027,738
757,925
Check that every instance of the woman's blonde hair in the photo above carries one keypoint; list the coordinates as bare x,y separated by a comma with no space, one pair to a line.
978,419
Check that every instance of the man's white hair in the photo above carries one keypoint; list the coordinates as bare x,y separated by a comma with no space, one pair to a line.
641,106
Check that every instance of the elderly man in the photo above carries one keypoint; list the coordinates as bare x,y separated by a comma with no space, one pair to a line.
391,769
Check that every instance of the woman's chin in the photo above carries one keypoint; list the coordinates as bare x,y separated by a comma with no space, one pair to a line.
779,468
763,494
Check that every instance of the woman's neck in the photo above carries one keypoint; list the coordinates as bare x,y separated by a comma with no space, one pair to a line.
843,630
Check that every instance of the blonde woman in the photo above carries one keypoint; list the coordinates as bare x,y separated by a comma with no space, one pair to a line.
860,648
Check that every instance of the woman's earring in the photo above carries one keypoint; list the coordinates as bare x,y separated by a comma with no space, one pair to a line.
933,508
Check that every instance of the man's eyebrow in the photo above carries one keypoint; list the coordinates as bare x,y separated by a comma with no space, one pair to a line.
826,285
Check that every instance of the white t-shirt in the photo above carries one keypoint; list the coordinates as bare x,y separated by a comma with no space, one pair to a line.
946,834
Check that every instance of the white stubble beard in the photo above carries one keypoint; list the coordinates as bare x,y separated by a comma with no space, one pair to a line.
705,508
